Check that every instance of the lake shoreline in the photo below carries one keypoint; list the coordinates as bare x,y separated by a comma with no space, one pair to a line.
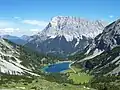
58,67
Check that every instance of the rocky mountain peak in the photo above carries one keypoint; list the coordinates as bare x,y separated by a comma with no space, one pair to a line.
73,27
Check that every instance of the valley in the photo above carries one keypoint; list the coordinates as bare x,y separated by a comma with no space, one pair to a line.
31,63
52,60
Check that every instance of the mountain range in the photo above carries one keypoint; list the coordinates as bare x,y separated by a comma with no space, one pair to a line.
15,39
66,35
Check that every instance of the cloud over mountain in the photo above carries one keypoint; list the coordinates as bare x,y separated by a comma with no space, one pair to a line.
18,26
35,22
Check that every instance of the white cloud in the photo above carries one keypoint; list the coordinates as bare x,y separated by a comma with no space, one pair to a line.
18,31
111,16
35,22
4,24
28,32
19,27
4,31
34,31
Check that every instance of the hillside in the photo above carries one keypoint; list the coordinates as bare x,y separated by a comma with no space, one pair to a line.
18,60
101,58
35,83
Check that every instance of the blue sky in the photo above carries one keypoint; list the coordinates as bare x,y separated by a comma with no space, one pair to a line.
19,17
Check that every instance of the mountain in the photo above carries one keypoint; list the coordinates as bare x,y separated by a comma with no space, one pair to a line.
65,35
25,37
18,60
15,39
103,55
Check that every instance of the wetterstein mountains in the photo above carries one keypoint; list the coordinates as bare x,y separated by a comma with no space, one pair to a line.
65,35
103,55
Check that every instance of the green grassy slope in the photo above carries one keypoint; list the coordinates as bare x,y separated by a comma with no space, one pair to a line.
35,83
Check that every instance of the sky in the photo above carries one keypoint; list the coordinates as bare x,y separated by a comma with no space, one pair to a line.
18,17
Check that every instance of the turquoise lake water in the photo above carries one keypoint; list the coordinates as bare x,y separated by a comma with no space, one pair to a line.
58,67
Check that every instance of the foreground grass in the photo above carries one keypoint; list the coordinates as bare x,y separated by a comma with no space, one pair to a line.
38,84
46,85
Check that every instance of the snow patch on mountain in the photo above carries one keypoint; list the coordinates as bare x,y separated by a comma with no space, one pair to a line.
95,53
116,59
115,71
77,42
8,67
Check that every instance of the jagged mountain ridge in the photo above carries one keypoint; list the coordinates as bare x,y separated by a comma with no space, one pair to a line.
108,39
73,27
103,54
76,33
